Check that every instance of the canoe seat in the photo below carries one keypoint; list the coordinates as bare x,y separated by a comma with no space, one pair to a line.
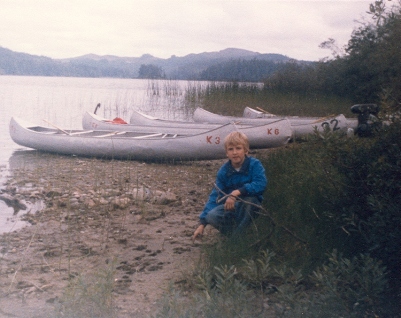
114,133
49,132
169,135
82,132
148,136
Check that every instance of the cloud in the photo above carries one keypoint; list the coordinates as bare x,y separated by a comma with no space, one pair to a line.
166,27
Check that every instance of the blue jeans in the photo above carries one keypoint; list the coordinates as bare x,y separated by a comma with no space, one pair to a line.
233,222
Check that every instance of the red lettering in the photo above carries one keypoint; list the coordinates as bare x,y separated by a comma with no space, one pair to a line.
269,131
209,139
217,140
277,131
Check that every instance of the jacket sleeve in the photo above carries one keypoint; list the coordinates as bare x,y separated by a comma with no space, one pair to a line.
258,182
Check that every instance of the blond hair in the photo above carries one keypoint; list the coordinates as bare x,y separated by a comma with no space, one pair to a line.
236,138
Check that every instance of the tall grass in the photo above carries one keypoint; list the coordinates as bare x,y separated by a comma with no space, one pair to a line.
90,295
300,189
230,99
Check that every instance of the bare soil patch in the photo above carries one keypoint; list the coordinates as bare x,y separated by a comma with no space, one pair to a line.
138,217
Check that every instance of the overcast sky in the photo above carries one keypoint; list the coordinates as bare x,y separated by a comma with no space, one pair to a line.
70,28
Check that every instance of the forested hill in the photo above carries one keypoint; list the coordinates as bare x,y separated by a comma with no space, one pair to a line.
228,64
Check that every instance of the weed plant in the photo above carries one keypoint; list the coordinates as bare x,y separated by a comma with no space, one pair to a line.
89,295
231,98
340,287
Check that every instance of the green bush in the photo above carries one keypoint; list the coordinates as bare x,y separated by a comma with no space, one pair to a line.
357,285
262,287
338,193
371,204
341,287
222,294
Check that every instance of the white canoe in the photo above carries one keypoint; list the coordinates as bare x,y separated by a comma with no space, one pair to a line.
255,114
271,135
138,118
301,126
133,145
92,121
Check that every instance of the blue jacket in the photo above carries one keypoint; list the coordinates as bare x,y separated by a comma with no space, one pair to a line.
250,181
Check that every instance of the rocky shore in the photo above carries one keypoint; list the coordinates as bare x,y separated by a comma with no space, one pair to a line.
128,220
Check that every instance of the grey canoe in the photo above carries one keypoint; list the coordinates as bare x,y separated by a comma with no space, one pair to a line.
139,118
255,113
271,135
133,145
301,126
92,121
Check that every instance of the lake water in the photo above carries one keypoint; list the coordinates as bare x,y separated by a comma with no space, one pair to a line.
62,101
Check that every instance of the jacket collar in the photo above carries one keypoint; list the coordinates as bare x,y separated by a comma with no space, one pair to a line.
244,168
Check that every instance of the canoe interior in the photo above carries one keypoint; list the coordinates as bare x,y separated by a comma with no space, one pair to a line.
102,133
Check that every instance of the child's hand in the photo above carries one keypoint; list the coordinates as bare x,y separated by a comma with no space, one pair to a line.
230,203
198,232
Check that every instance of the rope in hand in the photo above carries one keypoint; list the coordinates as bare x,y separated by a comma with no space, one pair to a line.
262,211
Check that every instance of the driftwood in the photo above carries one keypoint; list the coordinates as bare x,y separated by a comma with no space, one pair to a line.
12,202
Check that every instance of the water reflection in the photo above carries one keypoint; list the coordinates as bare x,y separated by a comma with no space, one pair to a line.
28,159
13,209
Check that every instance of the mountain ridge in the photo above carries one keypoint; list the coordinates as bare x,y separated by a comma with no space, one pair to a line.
228,52
186,67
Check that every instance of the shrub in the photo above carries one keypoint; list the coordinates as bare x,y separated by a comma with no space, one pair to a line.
339,193
342,288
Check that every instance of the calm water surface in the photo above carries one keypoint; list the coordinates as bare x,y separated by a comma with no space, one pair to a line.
62,101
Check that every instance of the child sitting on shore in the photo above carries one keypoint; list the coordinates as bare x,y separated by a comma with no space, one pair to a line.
241,177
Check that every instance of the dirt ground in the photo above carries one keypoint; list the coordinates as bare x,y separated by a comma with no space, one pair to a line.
128,219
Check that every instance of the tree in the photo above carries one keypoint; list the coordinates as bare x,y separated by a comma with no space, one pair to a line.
151,71
373,60
367,71
240,70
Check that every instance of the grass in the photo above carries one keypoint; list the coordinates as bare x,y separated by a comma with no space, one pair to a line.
90,295
231,98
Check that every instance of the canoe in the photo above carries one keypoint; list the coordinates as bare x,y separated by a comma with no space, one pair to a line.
121,144
254,113
133,145
92,121
139,118
301,126
339,122
271,135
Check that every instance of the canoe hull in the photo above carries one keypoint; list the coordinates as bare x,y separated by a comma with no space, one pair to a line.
138,118
297,120
94,122
301,126
197,147
271,135
136,146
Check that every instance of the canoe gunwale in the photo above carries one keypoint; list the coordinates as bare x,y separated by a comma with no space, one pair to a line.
207,145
